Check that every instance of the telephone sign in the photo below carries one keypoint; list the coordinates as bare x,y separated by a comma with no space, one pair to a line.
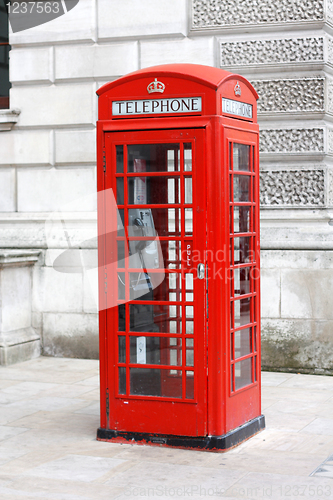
179,258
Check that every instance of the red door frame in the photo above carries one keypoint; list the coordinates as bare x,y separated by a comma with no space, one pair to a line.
157,408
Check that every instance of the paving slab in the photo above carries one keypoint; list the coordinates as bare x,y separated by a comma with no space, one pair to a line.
49,414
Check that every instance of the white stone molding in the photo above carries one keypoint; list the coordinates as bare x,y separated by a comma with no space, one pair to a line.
329,100
297,95
218,13
329,10
330,187
19,341
292,140
278,51
330,140
300,188
8,118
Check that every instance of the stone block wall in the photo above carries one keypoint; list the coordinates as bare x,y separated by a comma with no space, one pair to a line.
47,160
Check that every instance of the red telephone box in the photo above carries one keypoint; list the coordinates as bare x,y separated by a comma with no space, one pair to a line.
178,212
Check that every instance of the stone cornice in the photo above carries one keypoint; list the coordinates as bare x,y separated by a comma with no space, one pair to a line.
8,118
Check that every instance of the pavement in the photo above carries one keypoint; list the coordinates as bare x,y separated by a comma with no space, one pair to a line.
49,413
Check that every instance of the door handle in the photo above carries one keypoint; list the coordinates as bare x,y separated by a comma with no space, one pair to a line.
201,271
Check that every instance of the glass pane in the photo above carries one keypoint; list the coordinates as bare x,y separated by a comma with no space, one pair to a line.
122,380
155,382
189,352
173,160
242,342
242,219
189,311
189,327
121,286
122,349
121,317
189,384
154,222
171,251
173,226
243,373
174,190
120,190
187,157
153,190
241,157
121,253
242,281
242,250
120,159
242,184
156,351
189,281
242,312
188,221
155,318
120,222
188,189
153,157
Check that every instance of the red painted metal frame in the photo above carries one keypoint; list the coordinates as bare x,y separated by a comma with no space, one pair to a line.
226,409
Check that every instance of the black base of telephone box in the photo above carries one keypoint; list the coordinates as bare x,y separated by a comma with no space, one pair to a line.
209,443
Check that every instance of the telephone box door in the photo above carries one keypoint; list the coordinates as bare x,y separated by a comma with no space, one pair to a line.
157,375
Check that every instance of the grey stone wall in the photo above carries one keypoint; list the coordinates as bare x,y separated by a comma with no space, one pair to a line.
284,48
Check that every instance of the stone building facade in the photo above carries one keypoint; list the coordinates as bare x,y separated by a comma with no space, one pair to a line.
47,159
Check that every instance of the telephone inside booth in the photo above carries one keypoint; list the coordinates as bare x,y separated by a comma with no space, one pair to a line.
153,285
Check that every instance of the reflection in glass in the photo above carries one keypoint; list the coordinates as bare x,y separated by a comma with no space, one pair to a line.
242,185
155,382
189,384
241,158
242,312
243,373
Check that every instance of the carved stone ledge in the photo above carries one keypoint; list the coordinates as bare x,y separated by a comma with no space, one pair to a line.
212,13
8,118
307,94
297,188
279,51
292,140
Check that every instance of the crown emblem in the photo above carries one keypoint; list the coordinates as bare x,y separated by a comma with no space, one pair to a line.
237,89
156,87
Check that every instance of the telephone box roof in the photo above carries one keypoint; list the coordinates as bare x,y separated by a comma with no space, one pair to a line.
206,75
